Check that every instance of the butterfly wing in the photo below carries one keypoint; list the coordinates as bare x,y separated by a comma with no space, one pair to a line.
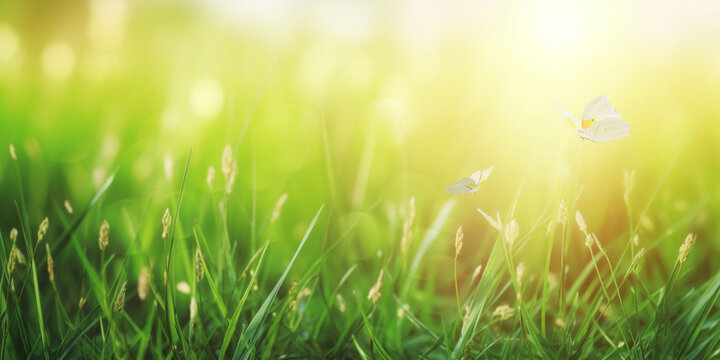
470,185
459,189
476,177
480,176
568,116
608,129
486,174
600,109
467,182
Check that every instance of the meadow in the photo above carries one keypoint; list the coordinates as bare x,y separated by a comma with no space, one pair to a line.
185,180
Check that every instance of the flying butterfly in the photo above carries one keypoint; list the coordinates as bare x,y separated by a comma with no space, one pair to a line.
469,185
600,121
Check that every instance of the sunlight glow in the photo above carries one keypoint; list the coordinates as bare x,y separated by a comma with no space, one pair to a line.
58,60
206,98
9,43
560,25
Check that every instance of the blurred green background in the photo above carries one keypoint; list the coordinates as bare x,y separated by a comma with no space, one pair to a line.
360,106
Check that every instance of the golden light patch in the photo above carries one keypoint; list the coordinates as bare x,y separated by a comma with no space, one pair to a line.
588,123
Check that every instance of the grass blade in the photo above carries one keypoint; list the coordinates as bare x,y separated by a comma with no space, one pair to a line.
252,333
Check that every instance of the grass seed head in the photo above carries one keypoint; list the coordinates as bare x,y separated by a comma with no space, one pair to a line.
293,307
628,183
193,310
12,261
227,161
560,218
51,271
68,207
341,302
120,299
16,256
143,283
374,293
19,256
231,178
636,240
635,265
477,271
104,238
407,226
13,234
210,178
580,220
407,232
411,208
12,152
512,230
168,166
494,223
199,269
520,271
590,239
277,210
503,311
562,215
686,247
466,314
550,227
166,224
305,292
42,230
81,302
458,241
293,287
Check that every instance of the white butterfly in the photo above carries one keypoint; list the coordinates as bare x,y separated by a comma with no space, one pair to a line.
470,185
600,121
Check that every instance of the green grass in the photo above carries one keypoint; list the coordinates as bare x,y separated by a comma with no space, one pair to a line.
606,309
342,153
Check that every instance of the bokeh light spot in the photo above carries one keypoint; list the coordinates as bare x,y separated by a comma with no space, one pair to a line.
9,43
206,98
58,60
